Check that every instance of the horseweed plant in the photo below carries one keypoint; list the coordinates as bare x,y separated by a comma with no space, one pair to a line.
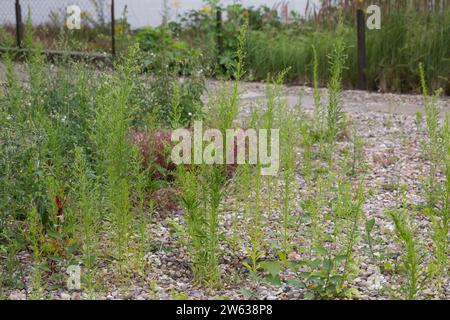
440,215
227,105
194,219
112,139
215,176
256,213
406,232
289,137
353,156
200,196
254,219
348,213
331,262
9,112
86,200
248,181
329,119
288,123
142,180
436,189
334,114
319,114
35,237
333,206
72,174
434,147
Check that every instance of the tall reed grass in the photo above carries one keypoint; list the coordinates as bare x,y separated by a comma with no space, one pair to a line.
406,37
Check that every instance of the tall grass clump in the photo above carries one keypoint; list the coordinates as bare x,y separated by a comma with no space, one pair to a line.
271,51
407,36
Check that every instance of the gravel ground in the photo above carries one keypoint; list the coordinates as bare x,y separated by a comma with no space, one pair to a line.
392,152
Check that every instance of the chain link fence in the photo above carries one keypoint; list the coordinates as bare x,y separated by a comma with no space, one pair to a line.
48,20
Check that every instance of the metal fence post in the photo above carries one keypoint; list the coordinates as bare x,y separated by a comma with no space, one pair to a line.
113,29
361,27
19,24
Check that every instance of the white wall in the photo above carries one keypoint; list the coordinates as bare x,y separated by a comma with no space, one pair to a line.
144,12
140,12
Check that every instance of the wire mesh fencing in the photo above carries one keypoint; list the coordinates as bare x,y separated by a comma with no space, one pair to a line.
51,24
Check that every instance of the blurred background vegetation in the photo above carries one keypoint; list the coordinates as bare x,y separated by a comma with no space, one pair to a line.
412,31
